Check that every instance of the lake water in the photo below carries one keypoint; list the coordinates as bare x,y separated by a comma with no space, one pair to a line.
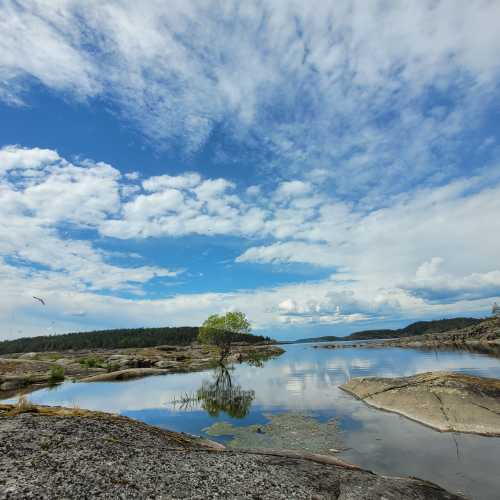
306,380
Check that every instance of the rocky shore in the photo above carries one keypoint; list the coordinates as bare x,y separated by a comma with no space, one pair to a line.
25,372
484,337
49,453
486,333
444,401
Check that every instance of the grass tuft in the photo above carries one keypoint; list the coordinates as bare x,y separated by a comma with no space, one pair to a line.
23,404
56,373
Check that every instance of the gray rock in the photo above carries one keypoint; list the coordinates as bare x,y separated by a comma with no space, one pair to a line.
125,374
441,400
11,383
49,457
64,361
165,364
28,355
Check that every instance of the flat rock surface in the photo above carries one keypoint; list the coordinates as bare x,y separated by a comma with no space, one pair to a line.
80,454
444,401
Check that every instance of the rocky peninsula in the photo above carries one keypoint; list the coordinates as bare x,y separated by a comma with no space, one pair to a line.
28,371
486,334
55,452
482,337
444,401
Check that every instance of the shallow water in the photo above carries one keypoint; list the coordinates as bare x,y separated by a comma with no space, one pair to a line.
306,380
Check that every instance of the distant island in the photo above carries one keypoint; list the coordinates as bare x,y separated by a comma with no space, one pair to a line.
115,339
418,328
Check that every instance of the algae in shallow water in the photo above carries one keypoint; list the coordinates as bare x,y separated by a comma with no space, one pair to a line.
292,431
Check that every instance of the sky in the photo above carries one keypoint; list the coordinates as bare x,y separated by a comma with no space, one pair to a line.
324,167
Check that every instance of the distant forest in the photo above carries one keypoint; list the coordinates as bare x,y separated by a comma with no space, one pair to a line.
113,339
418,328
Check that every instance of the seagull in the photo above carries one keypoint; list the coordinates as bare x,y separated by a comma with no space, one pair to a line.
39,300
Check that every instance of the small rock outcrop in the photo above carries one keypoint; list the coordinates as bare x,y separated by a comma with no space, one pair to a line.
441,400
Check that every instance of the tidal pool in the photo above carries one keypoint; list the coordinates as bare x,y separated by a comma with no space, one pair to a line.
305,381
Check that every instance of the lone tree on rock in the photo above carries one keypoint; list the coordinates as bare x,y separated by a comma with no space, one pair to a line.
221,331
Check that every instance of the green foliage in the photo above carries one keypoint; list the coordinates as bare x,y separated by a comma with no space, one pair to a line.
112,367
91,362
222,331
56,373
112,339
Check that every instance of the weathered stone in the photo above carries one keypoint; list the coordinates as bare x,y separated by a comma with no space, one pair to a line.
64,361
165,364
81,454
117,357
28,355
11,383
125,374
441,400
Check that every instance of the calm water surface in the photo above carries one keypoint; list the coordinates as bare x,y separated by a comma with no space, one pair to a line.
305,379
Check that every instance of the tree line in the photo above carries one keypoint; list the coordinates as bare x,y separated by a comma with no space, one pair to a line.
116,339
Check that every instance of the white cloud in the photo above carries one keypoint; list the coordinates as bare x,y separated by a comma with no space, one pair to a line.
38,208
158,183
133,176
253,191
364,101
396,261
435,285
308,84
290,251
291,189
383,248
14,157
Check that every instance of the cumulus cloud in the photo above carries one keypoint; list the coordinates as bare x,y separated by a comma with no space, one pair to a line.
43,197
14,157
292,189
434,284
458,222
400,260
339,303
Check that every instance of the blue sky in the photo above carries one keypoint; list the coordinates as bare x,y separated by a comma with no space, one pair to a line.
325,168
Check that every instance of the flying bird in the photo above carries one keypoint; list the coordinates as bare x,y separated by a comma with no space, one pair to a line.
39,300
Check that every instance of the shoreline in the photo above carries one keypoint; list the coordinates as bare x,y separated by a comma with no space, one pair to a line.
483,336
24,373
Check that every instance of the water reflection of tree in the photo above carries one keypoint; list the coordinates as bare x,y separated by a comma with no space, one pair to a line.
219,394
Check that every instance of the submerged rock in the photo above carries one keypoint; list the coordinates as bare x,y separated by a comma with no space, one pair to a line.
292,431
441,400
